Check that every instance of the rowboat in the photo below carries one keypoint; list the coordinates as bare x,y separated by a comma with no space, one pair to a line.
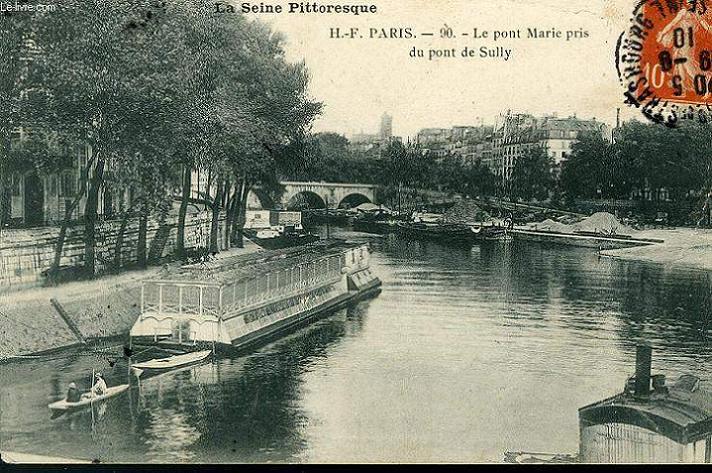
64,405
173,361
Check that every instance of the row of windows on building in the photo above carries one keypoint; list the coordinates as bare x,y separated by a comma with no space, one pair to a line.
64,184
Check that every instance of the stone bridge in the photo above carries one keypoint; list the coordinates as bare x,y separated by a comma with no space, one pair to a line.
318,195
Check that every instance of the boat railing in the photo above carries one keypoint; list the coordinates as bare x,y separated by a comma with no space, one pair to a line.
196,299
277,295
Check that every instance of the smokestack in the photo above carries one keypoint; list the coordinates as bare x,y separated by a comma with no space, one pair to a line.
643,361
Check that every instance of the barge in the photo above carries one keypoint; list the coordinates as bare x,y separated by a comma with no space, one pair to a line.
453,233
276,238
240,301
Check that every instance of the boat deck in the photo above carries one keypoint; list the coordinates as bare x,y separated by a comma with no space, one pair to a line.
246,266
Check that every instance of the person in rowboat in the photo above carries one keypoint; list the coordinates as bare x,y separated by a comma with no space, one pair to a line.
73,394
99,388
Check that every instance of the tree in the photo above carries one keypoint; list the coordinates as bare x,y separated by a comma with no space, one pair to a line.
15,80
159,91
278,111
677,160
479,180
405,166
598,169
91,63
532,175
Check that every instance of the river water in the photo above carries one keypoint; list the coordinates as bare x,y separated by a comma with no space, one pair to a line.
468,352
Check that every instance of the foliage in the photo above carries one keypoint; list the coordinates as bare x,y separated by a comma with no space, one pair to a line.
156,90
532,176
644,156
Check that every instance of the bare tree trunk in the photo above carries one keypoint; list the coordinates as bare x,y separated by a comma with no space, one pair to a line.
183,211
4,183
68,211
208,185
214,222
120,241
234,209
91,215
230,214
241,215
142,237
126,214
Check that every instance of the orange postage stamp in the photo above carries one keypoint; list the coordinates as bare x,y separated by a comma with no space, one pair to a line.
664,60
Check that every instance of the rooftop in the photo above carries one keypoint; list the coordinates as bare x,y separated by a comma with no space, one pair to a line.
682,412
246,266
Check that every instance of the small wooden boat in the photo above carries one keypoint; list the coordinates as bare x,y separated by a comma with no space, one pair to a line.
64,405
175,361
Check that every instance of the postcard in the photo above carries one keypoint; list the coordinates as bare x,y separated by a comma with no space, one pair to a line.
355,231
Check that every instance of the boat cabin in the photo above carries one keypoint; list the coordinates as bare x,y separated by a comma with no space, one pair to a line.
220,301
649,421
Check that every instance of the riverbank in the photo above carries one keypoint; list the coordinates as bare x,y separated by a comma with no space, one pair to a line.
682,246
101,308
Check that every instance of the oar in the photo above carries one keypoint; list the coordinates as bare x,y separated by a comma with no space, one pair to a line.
91,399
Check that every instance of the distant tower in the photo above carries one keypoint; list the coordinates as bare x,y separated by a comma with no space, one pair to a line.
386,126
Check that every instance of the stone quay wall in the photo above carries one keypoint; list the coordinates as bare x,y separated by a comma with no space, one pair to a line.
27,254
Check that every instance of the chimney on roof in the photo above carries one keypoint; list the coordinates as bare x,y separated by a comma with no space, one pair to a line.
643,362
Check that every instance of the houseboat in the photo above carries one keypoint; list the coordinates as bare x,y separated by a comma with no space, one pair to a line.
650,421
238,301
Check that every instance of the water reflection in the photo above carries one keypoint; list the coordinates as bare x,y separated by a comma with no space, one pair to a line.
238,409
469,351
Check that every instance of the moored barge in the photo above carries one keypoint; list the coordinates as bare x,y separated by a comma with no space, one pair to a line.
453,233
239,301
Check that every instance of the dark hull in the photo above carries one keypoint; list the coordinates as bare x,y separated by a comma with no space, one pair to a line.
284,241
375,226
450,233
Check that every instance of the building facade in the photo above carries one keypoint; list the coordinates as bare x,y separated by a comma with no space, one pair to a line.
518,133
37,199
386,130
471,144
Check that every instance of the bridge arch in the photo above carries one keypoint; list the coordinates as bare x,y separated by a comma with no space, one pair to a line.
331,193
352,200
306,200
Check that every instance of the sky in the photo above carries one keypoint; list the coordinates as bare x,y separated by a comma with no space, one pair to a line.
359,79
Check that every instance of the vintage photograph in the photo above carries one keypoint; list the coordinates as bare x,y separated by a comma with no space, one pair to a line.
386,231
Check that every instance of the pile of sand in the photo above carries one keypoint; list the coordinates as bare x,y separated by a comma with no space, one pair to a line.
550,225
600,222
603,222
465,211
